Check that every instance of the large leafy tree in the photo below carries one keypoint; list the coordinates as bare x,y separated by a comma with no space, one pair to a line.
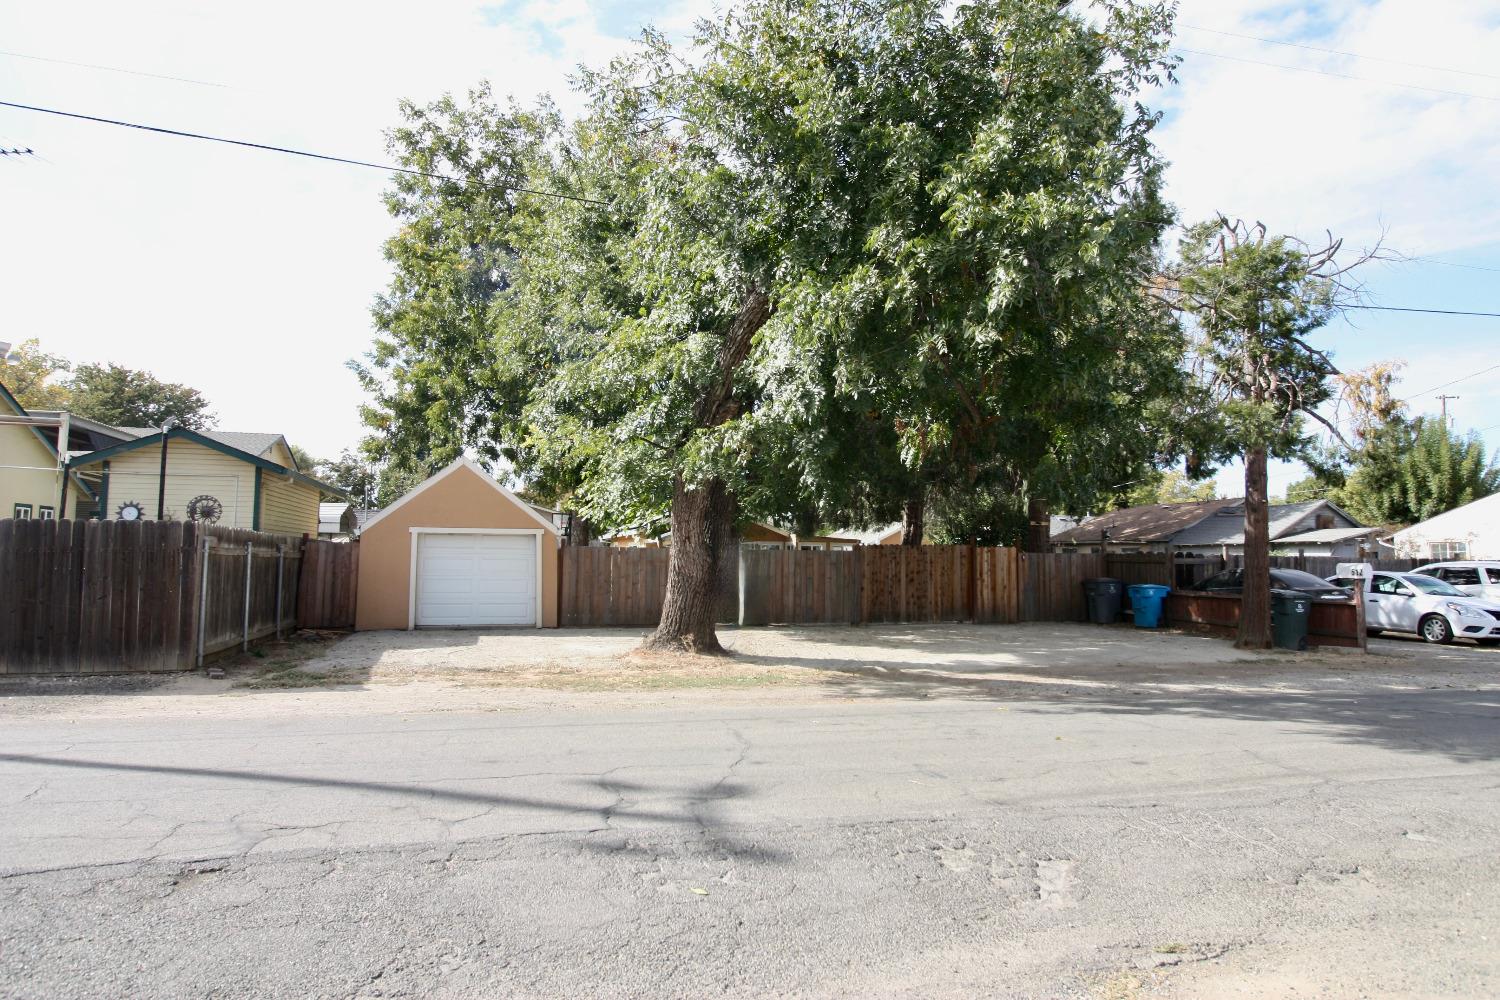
37,379
124,397
1255,300
834,248
1404,471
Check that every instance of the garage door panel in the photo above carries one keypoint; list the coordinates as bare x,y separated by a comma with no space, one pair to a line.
476,579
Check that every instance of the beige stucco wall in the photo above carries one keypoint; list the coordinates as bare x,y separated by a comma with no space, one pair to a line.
462,499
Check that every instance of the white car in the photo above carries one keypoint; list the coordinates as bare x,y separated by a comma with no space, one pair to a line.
1476,578
1425,605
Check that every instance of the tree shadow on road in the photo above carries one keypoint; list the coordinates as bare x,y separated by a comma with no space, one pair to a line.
697,806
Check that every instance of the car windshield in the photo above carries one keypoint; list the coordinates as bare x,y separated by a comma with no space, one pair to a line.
1298,580
1432,585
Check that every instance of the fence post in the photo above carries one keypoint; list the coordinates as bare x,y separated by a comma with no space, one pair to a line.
740,569
280,575
203,597
245,635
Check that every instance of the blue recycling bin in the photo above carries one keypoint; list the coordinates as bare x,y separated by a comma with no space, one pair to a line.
1148,599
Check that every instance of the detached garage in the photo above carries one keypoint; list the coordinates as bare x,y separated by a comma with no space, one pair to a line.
459,551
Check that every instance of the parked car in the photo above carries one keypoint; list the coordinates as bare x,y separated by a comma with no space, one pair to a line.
1477,579
1435,610
1232,581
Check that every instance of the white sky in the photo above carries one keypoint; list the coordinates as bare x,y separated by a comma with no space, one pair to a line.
249,275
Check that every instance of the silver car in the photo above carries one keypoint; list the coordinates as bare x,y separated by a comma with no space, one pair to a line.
1477,578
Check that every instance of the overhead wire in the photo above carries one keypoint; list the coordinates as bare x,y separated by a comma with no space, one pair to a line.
289,150
1338,52
1341,76
112,69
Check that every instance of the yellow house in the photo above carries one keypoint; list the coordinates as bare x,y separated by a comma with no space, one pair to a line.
31,473
232,479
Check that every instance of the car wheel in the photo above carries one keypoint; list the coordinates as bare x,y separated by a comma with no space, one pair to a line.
1435,629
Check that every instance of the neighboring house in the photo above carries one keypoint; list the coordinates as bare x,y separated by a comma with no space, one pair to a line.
234,479
32,466
1468,532
459,550
1217,528
756,535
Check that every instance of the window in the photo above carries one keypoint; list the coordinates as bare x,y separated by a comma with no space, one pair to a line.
1448,550
1493,575
1323,521
1459,576
46,513
22,512
1389,585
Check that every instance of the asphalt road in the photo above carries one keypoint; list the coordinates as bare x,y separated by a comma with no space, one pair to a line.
1193,843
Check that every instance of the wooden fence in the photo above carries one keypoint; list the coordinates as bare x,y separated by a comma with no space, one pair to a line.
327,588
870,584
1329,623
82,597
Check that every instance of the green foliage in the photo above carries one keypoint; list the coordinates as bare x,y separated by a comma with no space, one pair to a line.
1409,471
1254,299
32,376
367,482
437,382
124,397
305,462
951,215
1167,486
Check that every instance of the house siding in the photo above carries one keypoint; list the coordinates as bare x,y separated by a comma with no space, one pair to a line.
192,471
28,472
287,508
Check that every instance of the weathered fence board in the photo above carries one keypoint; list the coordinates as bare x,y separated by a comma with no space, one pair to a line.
326,582
80,597
871,584
1330,623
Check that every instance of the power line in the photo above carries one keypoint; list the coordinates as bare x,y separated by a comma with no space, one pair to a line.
113,69
293,152
1341,76
1449,263
1340,52
1462,378
1435,312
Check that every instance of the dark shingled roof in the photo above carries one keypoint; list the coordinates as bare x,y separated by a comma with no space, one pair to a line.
1156,522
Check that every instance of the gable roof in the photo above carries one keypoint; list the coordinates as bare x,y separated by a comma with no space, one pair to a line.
1157,522
247,441
1227,526
50,444
454,466
209,440
1464,519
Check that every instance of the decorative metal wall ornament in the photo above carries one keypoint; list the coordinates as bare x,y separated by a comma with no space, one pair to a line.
131,510
205,509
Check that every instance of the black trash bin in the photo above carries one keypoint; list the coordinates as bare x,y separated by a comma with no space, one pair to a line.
1289,613
1103,595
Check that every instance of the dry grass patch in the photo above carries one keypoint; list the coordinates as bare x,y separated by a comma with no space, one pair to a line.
633,671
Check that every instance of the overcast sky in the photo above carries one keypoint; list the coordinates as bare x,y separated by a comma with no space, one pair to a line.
249,275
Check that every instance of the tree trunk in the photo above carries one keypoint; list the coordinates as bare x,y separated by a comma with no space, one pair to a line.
1038,525
703,515
1255,597
700,521
913,520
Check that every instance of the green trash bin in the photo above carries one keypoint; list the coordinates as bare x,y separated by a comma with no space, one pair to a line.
1289,613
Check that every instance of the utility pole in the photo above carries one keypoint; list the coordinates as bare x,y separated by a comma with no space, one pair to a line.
1443,399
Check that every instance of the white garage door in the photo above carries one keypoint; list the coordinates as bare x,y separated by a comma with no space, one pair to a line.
476,579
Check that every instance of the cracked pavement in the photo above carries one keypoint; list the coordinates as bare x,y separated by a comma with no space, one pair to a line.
1143,840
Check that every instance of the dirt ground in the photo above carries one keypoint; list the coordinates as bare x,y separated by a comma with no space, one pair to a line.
512,669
